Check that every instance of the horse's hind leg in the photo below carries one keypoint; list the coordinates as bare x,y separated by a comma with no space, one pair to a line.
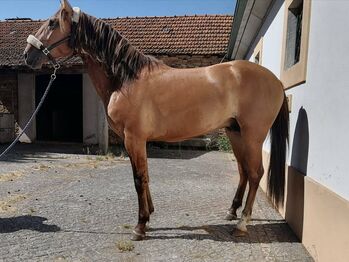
252,163
237,146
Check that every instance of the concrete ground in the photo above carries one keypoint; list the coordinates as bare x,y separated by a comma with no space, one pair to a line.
71,207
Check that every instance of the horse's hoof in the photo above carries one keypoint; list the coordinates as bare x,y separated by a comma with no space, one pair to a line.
147,227
230,216
137,236
239,233
242,225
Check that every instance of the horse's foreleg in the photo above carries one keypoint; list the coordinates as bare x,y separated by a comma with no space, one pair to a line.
138,156
149,199
254,168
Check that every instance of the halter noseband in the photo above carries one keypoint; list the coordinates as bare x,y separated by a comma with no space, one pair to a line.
46,50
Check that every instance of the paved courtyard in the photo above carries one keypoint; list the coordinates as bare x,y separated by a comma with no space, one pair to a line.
71,207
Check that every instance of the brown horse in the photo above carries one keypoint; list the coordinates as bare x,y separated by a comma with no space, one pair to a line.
145,100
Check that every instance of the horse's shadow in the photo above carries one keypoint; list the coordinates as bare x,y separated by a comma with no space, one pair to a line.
34,223
257,233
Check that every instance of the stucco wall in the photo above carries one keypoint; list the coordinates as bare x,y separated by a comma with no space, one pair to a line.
319,127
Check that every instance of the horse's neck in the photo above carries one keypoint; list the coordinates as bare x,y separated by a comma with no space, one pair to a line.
99,79
120,61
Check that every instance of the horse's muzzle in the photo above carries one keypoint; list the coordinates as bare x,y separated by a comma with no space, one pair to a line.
33,58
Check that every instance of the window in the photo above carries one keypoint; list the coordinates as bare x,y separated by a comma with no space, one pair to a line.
295,42
257,58
257,53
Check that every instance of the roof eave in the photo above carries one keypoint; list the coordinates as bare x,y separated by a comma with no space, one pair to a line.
249,17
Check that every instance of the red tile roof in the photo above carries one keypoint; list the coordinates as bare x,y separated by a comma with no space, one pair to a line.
194,35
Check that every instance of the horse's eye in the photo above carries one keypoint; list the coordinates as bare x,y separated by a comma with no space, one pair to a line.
52,24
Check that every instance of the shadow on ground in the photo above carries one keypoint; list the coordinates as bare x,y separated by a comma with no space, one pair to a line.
23,153
174,153
34,223
258,233
41,151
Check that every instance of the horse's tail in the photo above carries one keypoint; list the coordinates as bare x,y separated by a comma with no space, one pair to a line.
279,142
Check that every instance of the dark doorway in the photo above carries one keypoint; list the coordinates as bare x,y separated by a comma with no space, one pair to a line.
60,118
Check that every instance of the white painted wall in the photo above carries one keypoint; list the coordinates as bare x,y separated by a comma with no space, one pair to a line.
95,125
26,106
90,111
324,96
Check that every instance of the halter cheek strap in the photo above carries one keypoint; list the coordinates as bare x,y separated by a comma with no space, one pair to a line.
46,50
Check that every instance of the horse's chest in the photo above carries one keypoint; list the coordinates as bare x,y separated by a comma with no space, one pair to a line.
116,122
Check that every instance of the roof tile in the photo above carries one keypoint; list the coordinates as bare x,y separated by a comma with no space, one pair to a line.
171,35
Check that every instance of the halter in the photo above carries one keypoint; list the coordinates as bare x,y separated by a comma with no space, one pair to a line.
46,50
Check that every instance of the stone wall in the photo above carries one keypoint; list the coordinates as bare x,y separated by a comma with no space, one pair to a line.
8,106
178,61
8,93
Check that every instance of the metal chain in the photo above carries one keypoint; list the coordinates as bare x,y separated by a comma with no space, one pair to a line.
52,79
223,58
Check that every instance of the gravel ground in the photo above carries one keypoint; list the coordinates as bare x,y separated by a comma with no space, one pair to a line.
72,207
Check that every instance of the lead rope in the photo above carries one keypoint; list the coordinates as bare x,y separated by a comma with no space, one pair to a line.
53,78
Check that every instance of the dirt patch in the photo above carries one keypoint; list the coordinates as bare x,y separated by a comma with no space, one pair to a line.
8,205
10,176
99,161
42,167
125,245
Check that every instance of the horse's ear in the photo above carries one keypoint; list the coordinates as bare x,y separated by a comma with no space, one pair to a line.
65,5
65,14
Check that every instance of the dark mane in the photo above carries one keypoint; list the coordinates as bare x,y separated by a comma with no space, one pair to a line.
121,61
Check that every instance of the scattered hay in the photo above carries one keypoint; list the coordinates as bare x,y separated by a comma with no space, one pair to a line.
60,259
7,205
125,245
100,158
42,167
126,226
10,176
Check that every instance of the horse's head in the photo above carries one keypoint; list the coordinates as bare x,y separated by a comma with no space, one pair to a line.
51,41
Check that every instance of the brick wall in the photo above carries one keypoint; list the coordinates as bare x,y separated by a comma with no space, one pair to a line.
178,61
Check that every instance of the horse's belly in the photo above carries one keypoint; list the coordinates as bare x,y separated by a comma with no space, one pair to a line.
191,123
